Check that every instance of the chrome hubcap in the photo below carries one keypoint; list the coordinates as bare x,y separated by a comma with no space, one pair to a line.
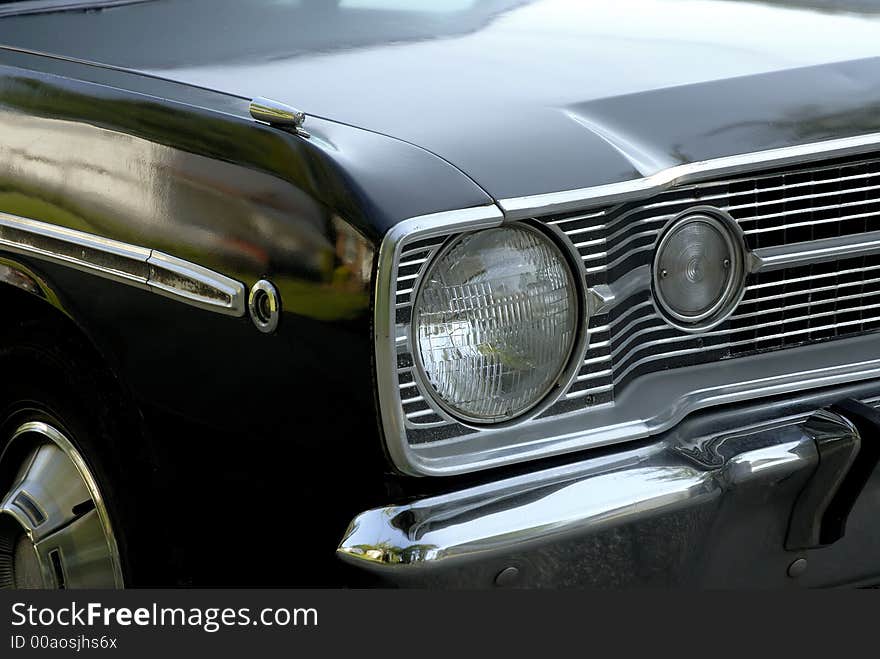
54,528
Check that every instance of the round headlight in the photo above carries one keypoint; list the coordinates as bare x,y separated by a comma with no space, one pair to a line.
698,270
495,321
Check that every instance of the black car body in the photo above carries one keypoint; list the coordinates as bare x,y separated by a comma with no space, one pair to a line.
143,194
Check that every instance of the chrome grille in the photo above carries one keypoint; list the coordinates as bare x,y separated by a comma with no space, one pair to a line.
808,304
413,261
780,309
804,321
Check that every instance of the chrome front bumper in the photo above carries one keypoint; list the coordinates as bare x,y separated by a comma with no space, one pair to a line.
708,504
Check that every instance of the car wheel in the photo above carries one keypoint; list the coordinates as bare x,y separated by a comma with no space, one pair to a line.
54,528
59,518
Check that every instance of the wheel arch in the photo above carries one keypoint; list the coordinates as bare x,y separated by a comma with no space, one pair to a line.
29,298
105,421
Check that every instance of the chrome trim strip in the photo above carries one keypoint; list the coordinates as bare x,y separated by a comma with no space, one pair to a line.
517,208
815,251
110,259
132,265
194,285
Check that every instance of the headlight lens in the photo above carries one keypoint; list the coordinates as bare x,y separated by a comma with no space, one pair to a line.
495,321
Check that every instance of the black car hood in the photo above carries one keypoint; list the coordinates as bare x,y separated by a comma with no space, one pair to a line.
524,97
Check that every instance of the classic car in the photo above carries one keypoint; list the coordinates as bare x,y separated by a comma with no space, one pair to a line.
463,293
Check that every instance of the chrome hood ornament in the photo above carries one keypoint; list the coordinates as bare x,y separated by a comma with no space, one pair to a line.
278,114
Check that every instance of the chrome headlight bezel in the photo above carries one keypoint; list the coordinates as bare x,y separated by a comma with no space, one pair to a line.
472,447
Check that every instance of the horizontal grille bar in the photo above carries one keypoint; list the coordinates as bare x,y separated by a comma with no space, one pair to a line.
802,301
765,190
773,209
792,305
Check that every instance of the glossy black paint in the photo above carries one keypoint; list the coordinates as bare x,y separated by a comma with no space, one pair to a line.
251,436
249,431
525,97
